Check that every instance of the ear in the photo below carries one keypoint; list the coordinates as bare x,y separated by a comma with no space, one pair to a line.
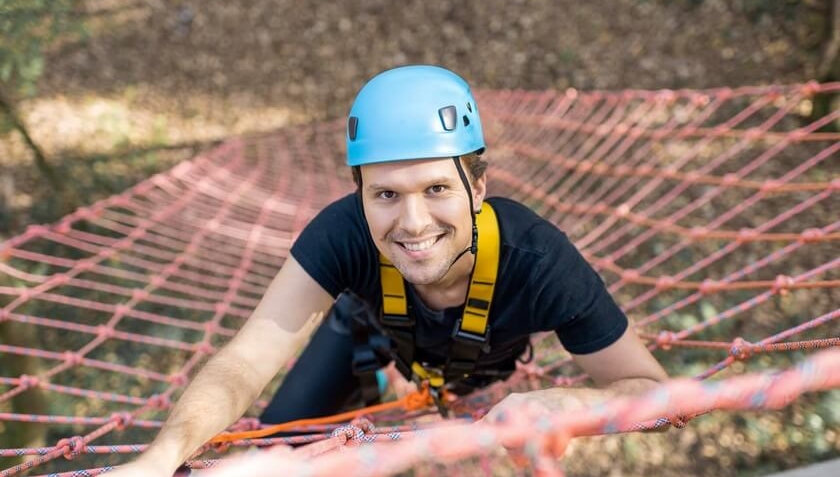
479,190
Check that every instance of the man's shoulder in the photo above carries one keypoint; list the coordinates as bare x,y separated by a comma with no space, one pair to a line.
347,204
340,214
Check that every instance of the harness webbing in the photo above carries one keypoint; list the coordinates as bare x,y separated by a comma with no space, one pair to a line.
471,334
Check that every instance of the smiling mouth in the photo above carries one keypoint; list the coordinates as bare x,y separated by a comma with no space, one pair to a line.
420,246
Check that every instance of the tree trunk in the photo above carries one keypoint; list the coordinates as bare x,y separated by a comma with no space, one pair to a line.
32,401
8,108
829,70
829,65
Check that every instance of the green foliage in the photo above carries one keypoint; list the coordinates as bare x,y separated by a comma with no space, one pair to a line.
27,28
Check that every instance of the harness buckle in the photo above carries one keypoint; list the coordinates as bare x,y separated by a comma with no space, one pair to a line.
472,339
397,321
437,397
364,360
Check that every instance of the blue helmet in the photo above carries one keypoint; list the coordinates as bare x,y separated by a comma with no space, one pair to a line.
413,112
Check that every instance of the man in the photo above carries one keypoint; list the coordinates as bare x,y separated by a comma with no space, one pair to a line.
415,267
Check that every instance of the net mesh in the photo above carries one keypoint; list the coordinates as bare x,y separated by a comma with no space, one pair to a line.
711,215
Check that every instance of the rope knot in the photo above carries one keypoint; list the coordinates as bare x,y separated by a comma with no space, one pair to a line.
810,88
350,435
665,282
782,283
158,401
177,379
730,179
105,331
746,235
139,294
122,419
700,99
28,381
741,349
622,210
678,422
770,185
71,446
709,286
364,424
71,358
665,339
698,232
205,347
811,235
631,276
85,265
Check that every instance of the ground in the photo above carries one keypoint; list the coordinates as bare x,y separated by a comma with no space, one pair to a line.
155,81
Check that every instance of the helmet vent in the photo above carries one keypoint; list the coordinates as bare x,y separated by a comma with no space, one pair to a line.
448,117
469,107
352,126
466,121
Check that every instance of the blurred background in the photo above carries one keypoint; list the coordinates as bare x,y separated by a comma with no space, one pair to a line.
96,95
102,93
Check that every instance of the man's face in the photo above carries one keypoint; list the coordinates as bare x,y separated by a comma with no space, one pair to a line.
418,214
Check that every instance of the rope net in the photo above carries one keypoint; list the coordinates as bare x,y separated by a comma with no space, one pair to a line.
711,215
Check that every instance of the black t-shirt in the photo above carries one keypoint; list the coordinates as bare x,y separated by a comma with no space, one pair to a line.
543,284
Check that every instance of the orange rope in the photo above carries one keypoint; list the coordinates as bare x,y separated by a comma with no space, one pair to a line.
410,402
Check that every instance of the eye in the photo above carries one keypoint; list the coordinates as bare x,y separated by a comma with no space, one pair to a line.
437,189
386,194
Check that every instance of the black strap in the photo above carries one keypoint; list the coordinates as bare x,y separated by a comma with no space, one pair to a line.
371,348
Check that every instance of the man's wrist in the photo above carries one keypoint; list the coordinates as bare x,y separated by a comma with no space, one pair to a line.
162,455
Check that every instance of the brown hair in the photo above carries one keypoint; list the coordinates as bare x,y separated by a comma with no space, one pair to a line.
475,165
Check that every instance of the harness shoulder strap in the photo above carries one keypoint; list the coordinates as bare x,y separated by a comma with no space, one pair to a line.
471,336
483,280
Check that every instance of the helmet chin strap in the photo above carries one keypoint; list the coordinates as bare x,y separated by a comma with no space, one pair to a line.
473,248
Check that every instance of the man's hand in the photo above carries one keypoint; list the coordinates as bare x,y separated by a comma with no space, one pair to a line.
522,409
397,382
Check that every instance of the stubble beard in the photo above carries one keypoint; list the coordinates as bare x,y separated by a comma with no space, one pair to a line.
428,271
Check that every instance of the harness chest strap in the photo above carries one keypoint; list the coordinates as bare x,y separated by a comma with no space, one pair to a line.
472,333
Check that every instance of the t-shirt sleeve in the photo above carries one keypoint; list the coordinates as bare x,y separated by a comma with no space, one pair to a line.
570,298
332,247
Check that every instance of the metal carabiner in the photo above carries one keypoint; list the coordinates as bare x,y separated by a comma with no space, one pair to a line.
437,397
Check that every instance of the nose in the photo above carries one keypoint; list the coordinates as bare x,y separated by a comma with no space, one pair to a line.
414,215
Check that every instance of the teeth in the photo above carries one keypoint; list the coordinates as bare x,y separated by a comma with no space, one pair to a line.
417,247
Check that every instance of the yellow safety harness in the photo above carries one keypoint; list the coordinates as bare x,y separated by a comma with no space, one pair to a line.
471,335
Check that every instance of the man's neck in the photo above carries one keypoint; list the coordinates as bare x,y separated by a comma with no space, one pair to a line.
451,290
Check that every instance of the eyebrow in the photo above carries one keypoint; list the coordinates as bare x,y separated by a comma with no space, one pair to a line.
443,180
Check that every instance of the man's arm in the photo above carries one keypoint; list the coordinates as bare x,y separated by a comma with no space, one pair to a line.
233,379
623,368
